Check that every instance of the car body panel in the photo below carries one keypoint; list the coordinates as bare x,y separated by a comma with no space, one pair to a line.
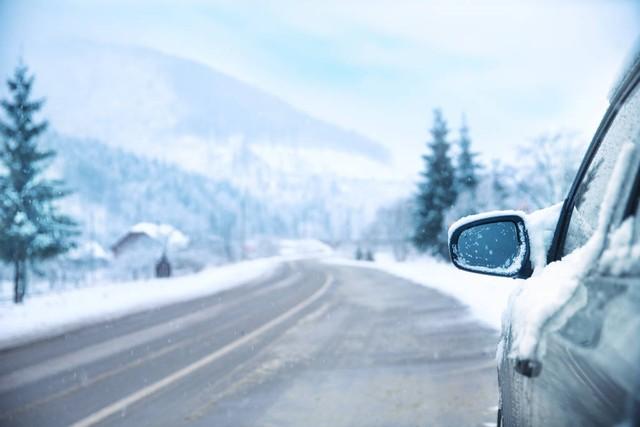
589,350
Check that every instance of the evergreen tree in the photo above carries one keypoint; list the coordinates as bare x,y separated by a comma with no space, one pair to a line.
467,178
467,170
436,193
499,192
31,228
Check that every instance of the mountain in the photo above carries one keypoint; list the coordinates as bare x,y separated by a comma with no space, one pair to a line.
147,137
178,110
113,190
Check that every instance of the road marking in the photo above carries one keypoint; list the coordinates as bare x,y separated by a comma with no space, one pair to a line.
65,362
123,403
141,360
262,369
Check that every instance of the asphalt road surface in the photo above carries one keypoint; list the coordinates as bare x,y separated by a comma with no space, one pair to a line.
311,345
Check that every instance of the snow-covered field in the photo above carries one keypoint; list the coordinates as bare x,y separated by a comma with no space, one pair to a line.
56,312
486,296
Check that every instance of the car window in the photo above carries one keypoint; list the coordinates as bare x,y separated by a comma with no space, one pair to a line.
591,191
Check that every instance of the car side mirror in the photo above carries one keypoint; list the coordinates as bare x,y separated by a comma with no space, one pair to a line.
497,245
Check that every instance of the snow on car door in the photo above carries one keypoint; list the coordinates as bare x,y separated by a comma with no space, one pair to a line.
588,349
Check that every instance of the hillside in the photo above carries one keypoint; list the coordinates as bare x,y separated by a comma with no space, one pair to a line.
148,137
178,110
114,189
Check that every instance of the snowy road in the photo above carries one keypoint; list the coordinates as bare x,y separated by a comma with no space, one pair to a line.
312,345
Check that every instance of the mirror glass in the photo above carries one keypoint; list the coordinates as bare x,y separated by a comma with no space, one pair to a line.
492,247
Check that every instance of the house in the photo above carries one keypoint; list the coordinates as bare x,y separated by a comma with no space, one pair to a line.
150,237
140,252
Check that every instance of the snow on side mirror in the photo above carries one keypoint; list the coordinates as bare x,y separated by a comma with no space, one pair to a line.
491,244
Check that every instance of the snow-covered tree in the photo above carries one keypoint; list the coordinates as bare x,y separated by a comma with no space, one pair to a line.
546,168
467,178
436,192
224,223
31,228
393,226
467,166
498,180
496,186
539,177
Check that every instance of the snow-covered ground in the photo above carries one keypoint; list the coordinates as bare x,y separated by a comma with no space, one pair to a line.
487,296
56,312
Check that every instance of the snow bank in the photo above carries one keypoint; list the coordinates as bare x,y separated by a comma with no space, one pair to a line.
486,296
57,312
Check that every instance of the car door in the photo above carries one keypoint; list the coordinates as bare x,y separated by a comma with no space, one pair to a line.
588,350
590,363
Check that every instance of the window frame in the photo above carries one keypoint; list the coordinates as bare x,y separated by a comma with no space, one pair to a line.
631,81
633,203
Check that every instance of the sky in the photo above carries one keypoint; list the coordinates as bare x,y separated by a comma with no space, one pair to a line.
514,69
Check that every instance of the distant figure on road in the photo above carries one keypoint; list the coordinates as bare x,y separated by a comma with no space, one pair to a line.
163,267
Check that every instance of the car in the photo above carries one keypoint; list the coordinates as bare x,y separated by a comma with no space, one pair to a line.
569,352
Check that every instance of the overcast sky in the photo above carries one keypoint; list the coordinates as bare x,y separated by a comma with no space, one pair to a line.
515,68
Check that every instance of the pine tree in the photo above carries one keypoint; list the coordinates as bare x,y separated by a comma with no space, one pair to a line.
31,228
467,170
436,193
467,179
499,192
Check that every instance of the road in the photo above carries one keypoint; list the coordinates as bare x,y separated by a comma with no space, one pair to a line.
311,345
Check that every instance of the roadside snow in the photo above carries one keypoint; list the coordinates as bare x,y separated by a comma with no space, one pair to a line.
58,312
486,296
